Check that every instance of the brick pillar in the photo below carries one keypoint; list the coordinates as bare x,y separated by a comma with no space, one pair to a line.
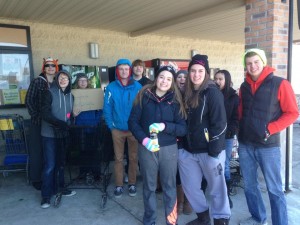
266,27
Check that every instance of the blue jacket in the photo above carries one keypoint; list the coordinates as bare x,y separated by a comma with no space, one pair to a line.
157,110
118,100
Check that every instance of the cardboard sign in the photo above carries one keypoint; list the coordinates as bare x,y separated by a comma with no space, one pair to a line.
88,99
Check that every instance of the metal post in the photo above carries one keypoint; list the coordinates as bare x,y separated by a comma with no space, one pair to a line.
289,71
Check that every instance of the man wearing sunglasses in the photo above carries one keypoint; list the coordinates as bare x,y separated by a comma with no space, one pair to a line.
33,103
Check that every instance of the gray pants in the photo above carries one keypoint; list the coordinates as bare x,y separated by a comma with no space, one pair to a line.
192,167
165,162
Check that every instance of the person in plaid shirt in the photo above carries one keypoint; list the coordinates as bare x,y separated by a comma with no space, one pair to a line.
33,104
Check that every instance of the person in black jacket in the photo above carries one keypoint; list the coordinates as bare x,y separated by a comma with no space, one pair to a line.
139,71
203,154
33,103
56,112
158,110
267,105
231,101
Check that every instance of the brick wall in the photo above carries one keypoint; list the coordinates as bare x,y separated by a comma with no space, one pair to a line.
267,28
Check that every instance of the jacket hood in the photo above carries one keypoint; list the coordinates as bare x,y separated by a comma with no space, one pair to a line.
255,84
210,84
68,88
43,76
123,62
169,96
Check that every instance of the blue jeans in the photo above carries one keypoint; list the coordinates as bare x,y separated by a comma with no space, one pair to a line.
53,171
268,159
228,149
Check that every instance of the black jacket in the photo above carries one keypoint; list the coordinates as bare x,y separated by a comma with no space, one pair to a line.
210,114
33,98
231,106
144,81
157,110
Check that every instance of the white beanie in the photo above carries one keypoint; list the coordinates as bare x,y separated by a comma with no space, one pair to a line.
259,52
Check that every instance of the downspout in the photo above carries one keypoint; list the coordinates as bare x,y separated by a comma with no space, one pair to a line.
289,77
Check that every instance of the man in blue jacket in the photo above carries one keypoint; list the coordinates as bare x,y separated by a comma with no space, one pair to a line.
118,100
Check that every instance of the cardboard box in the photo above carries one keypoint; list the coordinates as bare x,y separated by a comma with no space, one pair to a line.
88,99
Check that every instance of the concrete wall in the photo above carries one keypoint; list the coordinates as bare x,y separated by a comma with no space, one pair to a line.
70,46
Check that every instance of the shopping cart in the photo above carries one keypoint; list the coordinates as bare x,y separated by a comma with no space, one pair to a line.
13,145
88,159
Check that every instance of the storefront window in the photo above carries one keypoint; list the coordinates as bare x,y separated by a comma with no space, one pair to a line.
15,65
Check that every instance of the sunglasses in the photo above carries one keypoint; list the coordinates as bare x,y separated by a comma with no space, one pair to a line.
50,65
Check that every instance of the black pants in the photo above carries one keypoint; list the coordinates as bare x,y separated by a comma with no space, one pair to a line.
35,153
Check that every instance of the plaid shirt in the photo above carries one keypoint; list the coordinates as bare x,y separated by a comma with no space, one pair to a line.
33,98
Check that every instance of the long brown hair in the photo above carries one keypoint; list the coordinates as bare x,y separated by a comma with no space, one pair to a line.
191,96
152,87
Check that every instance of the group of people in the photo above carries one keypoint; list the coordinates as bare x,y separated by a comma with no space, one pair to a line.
182,125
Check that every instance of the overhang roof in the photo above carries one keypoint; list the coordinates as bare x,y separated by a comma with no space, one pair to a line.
220,20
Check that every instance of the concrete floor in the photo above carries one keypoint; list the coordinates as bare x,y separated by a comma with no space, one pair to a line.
20,203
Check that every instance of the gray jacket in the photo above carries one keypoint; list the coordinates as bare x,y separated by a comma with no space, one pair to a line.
57,107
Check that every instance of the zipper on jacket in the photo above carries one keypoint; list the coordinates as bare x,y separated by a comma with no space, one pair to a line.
204,103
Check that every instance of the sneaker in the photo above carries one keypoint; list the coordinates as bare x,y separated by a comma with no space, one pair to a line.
118,191
126,178
68,192
45,203
251,221
132,190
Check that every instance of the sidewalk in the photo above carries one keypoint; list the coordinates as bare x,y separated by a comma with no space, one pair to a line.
20,203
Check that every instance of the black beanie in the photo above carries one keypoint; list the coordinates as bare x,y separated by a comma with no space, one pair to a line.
167,68
201,60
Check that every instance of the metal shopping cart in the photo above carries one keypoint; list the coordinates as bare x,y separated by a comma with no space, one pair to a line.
13,145
88,158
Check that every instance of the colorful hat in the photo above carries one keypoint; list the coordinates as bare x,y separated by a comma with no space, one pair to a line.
50,60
